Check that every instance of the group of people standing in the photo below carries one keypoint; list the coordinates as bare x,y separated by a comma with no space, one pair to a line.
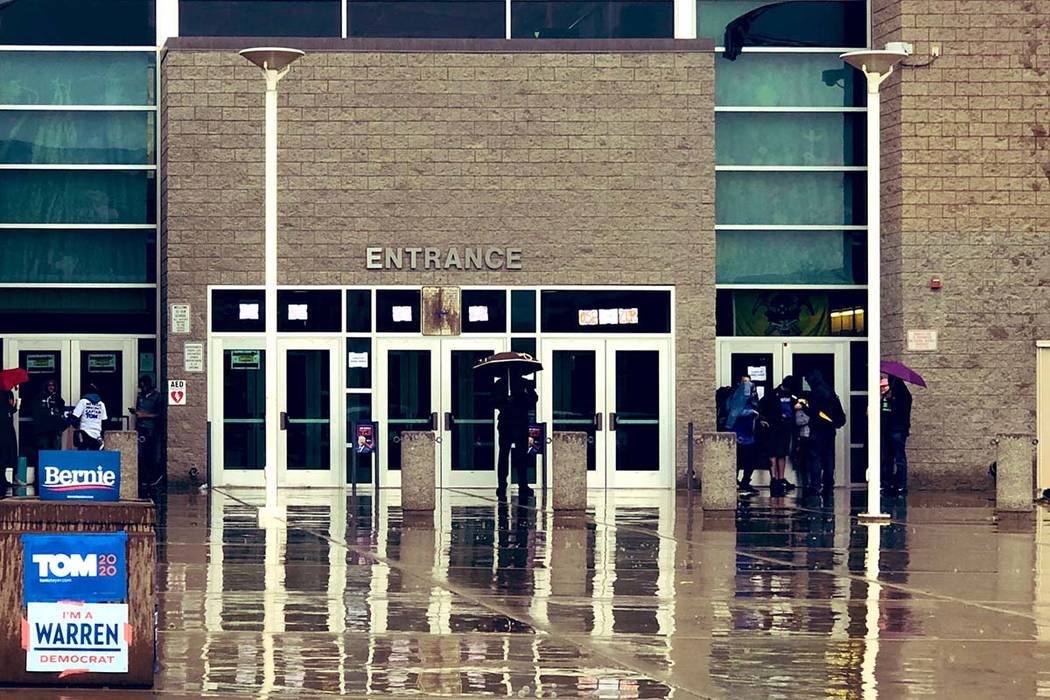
50,418
785,422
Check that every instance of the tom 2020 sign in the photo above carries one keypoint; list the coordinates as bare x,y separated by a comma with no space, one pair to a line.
88,568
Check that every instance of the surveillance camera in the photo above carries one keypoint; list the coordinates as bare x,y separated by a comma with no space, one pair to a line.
900,47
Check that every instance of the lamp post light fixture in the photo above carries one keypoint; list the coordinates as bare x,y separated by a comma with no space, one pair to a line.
876,65
274,63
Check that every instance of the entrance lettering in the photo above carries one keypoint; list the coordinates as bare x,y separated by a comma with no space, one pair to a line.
443,258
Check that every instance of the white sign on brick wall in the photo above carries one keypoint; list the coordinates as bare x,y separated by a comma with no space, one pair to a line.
922,341
180,318
176,392
193,357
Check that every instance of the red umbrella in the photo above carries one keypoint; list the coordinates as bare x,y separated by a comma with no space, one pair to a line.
10,378
902,371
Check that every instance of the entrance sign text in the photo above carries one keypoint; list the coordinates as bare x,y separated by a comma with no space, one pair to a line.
443,258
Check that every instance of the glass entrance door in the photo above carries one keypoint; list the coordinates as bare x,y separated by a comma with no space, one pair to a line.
310,437
407,399
468,430
75,365
618,392
767,362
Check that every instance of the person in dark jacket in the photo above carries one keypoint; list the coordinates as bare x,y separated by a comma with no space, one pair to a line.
825,417
777,415
896,426
49,419
515,405
8,440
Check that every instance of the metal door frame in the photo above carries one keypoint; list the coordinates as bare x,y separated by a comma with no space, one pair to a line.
335,476
222,476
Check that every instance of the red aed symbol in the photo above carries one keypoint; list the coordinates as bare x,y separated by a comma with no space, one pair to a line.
177,396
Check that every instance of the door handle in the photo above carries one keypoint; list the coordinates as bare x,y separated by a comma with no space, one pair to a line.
448,420
612,421
284,420
597,421
434,421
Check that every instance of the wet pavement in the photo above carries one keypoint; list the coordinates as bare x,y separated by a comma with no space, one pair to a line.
640,597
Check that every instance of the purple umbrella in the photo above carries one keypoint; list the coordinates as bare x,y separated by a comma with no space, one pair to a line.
902,371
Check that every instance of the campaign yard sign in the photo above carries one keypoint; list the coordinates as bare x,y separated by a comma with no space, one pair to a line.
88,568
67,475
70,638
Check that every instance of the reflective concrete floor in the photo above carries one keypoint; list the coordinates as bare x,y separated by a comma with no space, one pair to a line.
641,597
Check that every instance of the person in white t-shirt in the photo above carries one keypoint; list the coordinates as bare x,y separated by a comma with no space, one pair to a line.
89,412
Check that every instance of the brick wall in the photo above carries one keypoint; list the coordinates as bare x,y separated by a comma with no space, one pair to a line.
966,188
599,165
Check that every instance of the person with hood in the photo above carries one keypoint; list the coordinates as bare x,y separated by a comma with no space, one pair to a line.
515,402
740,418
89,414
49,418
8,439
147,424
825,417
777,415
896,426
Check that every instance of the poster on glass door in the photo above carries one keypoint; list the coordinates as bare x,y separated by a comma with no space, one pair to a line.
365,438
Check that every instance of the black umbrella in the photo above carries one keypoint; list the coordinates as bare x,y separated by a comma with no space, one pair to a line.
507,365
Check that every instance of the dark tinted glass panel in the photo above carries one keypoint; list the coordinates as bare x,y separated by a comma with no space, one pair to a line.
91,255
789,138
858,429
358,410
80,23
238,311
484,311
743,363
472,421
791,23
42,366
309,420
858,465
359,311
637,419
28,136
788,80
313,311
858,366
148,359
408,398
77,78
605,311
466,19
44,310
791,312
806,198
260,18
567,19
574,385
397,310
77,197
358,363
523,311
525,345
790,257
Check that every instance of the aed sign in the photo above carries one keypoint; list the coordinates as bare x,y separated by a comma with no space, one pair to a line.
176,392
69,638
90,568
67,475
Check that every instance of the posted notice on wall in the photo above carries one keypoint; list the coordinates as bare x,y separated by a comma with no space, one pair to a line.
176,392
922,340
193,357
76,637
758,373
180,318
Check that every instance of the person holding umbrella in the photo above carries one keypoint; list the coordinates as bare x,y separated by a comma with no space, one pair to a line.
896,424
515,398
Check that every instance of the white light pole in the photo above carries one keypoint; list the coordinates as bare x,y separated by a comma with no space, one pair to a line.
876,66
274,63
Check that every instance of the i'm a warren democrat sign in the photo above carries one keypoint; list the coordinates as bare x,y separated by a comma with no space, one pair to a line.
84,567
77,638
79,475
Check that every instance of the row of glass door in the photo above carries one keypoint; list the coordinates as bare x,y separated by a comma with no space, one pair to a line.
110,364
618,392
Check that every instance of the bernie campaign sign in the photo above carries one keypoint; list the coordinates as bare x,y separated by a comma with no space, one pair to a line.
70,638
83,567
79,475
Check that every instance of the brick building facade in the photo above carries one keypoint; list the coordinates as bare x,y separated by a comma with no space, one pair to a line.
966,198
597,164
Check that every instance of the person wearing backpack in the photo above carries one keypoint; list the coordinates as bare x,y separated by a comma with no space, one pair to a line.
777,415
825,418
